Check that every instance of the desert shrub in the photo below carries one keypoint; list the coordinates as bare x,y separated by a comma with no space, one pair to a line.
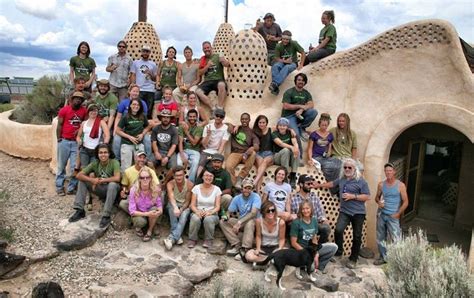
240,289
6,107
416,269
43,104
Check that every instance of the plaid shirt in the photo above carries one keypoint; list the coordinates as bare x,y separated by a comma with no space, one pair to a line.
319,213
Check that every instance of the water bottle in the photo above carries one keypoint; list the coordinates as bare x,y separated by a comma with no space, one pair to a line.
224,214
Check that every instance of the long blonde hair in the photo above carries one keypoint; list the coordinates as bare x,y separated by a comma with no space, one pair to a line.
153,187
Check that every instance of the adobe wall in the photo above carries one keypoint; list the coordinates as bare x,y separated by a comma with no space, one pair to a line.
24,140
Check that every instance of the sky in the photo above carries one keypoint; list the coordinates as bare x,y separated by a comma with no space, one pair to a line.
38,37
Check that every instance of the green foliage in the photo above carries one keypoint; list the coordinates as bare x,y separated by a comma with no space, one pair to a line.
6,233
43,104
4,195
240,289
415,269
6,107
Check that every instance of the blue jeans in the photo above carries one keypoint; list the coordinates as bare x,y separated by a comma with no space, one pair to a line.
193,157
280,71
177,223
357,222
87,156
327,251
300,125
386,224
67,150
117,141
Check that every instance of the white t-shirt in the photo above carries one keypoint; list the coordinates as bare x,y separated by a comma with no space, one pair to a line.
217,134
203,202
278,194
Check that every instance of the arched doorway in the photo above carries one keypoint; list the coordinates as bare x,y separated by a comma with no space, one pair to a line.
433,160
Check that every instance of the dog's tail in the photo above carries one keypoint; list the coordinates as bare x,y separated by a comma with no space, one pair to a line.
266,261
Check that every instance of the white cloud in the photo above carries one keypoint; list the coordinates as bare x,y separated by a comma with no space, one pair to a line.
45,9
10,31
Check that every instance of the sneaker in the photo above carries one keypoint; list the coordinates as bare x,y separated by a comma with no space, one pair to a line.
276,90
298,273
379,262
79,214
104,222
60,192
233,251
89,207
272,87
71,192
293,181
351,264
192,243
238,184
207,244
180,241
168,243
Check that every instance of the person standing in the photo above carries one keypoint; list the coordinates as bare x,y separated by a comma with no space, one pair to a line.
119,66
353,193
143,73
70,118
189,76
107,103
327,39
83,66
271,32
169,73
392,200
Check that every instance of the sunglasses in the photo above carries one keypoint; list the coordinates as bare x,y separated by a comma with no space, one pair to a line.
347,168
121,46
145,177
271,210
219,116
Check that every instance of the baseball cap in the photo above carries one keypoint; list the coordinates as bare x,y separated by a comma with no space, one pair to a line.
77,94
248,182
218,157
103,82
283,121
219,112
146,47
165,113
140,152
305,178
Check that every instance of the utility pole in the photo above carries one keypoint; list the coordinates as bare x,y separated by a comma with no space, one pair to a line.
142,10
226,16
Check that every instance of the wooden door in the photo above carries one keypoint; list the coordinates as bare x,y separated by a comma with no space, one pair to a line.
413,176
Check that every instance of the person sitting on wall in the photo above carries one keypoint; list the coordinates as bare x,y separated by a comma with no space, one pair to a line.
298,108
271,32
247,204
167,102
305,184
83,66
285,149
286,60
353,193
79,86
327,39
189,145
243,147
192,104
164,140
189,76
178,191
101,177
392,200
106,102
211,67
264,157
143,73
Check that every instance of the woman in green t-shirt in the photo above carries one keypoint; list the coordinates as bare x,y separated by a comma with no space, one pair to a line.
304,230
327,39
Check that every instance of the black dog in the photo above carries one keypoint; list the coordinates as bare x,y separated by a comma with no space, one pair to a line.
291,257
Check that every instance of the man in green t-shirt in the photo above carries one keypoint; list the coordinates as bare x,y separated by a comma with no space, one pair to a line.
212,66
286,60
107,102
189,144
298,108
101,177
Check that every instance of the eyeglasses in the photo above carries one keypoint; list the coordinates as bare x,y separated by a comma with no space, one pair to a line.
347,168
271,210
145,177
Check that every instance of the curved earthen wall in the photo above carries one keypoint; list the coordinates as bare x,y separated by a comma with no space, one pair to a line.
224,34
143,33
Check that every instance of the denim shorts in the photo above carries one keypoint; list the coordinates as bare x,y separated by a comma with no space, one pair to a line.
264,154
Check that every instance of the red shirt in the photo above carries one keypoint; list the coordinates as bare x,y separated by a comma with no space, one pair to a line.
71,121
172,106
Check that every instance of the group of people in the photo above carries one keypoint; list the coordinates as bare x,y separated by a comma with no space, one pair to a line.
147,117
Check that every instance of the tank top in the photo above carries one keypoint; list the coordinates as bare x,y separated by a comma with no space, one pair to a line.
189,72
270,239
87,141
180,196
168,74
266,143
391,195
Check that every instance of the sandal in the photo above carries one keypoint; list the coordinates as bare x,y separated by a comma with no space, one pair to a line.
139,232
147,237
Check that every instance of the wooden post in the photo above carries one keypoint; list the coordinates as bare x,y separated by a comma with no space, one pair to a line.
142,10
226,16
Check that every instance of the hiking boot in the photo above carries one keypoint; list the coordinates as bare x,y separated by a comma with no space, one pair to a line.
293,180
351,264
379,262
104,222
60,192
168,243
272,87
79,214
233,251
71,192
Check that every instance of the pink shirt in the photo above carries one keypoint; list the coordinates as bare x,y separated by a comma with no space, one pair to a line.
143,203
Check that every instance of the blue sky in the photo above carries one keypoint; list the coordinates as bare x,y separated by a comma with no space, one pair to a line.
38,37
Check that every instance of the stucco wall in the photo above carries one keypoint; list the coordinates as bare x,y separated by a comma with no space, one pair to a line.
24,140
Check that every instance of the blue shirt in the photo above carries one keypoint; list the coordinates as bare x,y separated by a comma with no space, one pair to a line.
245,205
123,107
352,186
